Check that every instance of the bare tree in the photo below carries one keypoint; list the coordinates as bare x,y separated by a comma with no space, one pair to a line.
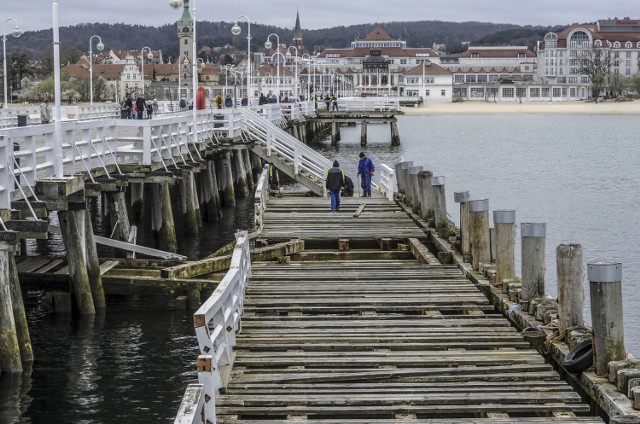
596,64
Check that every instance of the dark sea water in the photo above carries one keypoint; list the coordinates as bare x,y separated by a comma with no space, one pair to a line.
578,174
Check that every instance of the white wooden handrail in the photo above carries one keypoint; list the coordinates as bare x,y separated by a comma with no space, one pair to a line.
261,198
388,184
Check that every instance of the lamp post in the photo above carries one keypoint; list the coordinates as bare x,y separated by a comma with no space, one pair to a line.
295,86
186,62
16,33
57,108
235,30
268,45
284,58
149,56
99,46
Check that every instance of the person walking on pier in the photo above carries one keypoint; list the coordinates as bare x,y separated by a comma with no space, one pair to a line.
45,112
141,106
335,181
365,171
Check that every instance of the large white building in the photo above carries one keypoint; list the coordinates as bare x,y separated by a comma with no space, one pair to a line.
559,54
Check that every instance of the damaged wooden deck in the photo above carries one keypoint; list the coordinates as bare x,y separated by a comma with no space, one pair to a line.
371,336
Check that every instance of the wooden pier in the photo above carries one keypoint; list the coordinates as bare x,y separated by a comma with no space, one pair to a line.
357,328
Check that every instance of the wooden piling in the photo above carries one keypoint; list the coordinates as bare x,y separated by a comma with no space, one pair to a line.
605,287
479,232
136,192
162,217
19,313
570,271
439,203
189,200
335,133
209,186
395,135
426,195
403,175
119,217
93,264
463,197
248,168
532,236
193,296
363,133
9,347
240,175
504,221
73,236
226,180
413,188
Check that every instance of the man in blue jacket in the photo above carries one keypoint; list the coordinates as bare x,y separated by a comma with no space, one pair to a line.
365,171
334,182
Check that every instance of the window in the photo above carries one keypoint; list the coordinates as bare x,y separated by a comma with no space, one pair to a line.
545,92
573,80
427,93
458,79
628,45
597,43
508,92
521,92
579,40
477,92
443,93
482,78
521,55
428,80
557,92
475,55
550,40
584,80
534,92
627,72
471,78
413,93
616,45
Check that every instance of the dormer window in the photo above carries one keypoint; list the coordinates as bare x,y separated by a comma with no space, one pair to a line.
616,45
597,43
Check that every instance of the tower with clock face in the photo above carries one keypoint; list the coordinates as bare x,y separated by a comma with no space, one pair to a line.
185,37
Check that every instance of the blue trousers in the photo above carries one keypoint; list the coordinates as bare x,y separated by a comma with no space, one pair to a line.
335,199
365,183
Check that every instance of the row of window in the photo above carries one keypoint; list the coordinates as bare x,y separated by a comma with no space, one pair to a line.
427,93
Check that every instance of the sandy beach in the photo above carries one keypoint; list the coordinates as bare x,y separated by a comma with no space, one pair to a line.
551,108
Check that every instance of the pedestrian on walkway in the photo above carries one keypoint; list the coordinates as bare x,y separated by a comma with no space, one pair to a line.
365,171
45,112
334,182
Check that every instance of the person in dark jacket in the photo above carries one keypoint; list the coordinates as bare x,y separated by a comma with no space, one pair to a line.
347,190
141,106
365,171
335,181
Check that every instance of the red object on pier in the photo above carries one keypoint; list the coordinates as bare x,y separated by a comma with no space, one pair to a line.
201,99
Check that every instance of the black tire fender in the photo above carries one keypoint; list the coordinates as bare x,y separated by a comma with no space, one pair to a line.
580,358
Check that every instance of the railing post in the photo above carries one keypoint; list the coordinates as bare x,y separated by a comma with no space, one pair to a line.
570,269
532,237
605,282
206,371
479,232
463,197
504,221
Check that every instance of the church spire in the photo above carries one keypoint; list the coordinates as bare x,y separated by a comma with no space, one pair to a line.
186,15
297,33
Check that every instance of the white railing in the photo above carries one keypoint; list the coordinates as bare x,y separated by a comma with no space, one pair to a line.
216,323
277,141
9,117
388,184
368,104
261,198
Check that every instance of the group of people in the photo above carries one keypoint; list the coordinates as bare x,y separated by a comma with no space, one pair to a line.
336,182
135,109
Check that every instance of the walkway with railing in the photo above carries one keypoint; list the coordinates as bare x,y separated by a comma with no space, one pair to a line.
363,325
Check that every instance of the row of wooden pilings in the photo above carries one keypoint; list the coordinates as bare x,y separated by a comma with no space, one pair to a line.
479,245
205,188
336,137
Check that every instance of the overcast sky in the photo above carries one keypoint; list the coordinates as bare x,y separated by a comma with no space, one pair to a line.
37,14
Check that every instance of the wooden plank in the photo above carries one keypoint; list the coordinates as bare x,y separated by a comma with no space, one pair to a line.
359,210
107,266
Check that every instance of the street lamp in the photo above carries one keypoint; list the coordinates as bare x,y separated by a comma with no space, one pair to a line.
310,60
235,30
99,46
268,46
149,56
16,33
57,108
180,64
295,86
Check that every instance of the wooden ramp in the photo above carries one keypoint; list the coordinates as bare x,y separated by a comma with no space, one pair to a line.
377,337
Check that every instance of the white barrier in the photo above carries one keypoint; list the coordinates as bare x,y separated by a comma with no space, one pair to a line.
388,184
261,198
368,104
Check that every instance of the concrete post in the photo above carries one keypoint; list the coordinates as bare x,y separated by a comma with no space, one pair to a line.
439,203
532,236
402,175
463,197
504,221
570,269
396,166
605,282
73,236
9,347
479,232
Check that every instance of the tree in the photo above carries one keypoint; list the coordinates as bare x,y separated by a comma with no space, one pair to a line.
70,55
595,63
634,84
18,67
617,84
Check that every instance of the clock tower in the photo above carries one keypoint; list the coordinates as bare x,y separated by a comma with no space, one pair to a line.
185,37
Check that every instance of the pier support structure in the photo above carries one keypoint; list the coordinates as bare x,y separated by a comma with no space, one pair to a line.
10,361
479,232
504,221
439,203
570,271
532,236
162,217
463,198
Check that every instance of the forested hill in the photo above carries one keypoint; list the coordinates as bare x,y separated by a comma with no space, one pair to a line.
37,44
